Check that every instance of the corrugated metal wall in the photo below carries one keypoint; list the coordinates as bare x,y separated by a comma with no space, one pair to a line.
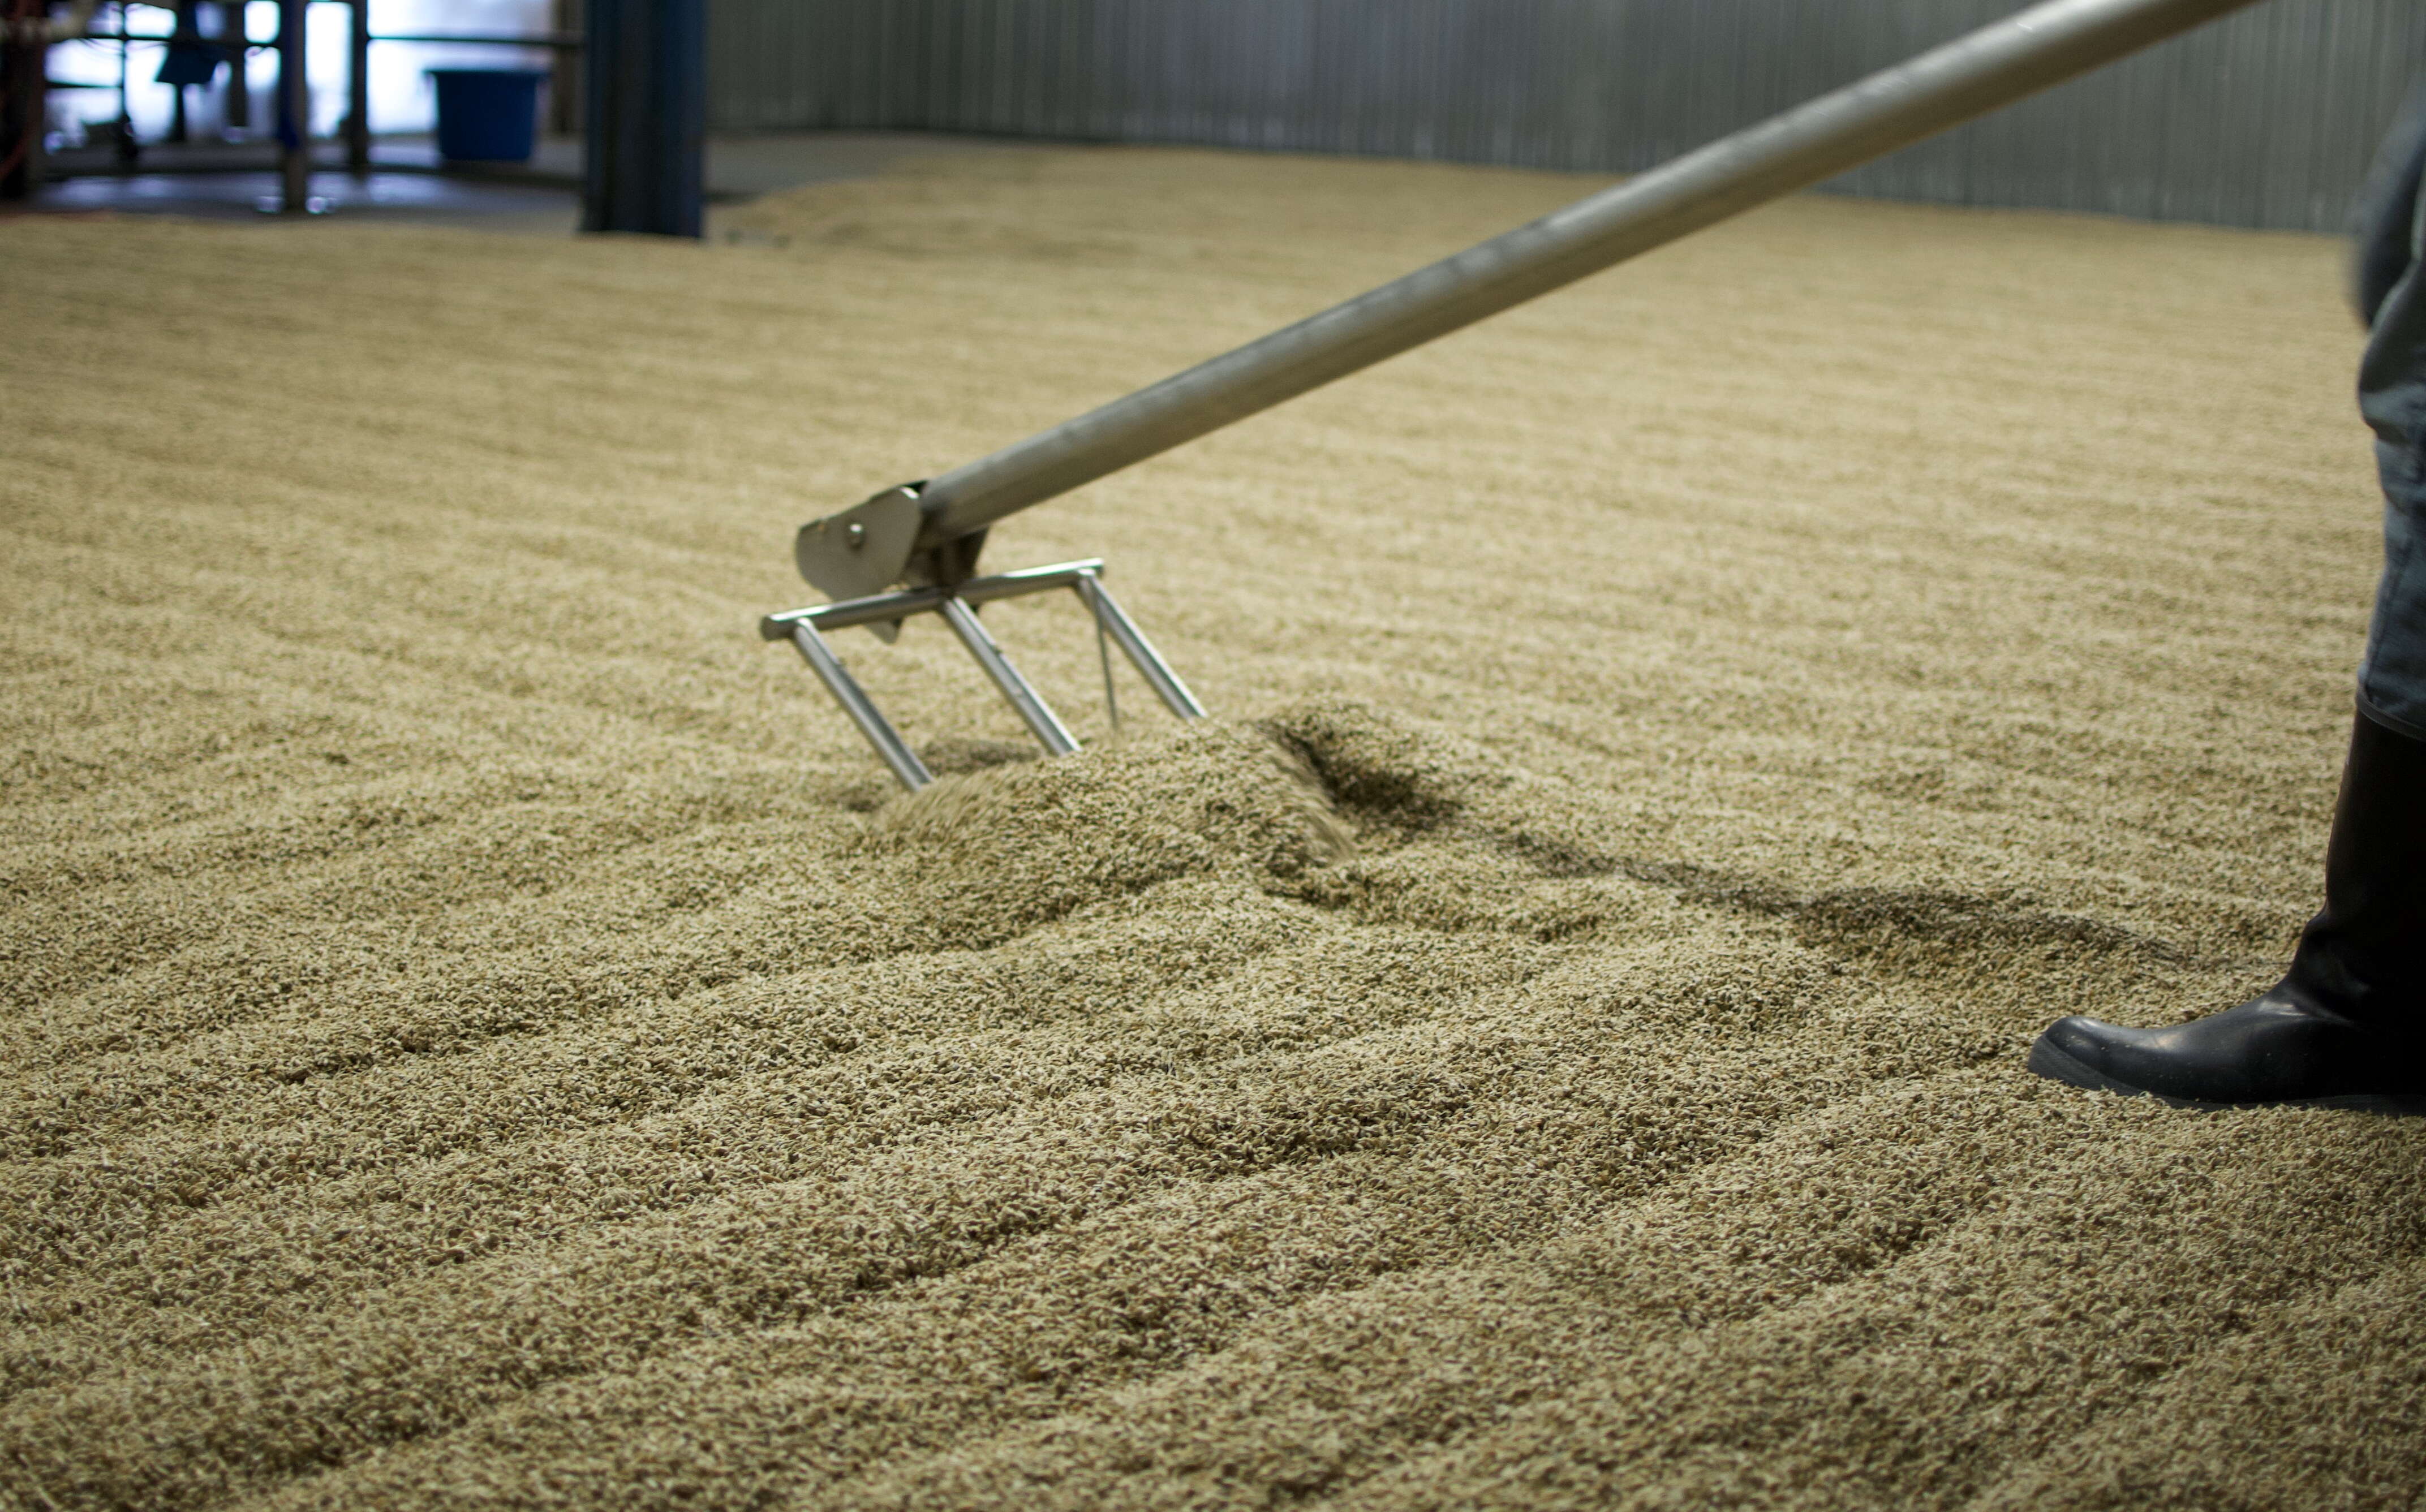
2266,119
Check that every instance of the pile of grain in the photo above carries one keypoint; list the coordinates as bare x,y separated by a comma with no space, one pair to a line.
479,1029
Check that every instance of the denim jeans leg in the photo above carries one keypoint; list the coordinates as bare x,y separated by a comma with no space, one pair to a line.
2392,397
2392,674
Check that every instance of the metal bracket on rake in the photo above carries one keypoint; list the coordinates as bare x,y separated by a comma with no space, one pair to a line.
958,605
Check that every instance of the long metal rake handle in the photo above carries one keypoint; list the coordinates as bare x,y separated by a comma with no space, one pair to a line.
1944,86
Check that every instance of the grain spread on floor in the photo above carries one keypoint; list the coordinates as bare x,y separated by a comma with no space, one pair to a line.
481,1030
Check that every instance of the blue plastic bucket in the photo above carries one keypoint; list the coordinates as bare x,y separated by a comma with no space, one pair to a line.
487,114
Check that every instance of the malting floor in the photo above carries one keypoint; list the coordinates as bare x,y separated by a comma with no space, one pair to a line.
481,1030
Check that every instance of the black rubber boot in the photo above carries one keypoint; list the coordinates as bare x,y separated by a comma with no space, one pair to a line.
2346,1027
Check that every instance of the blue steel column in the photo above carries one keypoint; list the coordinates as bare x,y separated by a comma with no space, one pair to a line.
645,66
293,109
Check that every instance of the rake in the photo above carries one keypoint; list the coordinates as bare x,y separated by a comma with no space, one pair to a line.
914,548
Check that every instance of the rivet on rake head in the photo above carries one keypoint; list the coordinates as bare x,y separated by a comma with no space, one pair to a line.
855,534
